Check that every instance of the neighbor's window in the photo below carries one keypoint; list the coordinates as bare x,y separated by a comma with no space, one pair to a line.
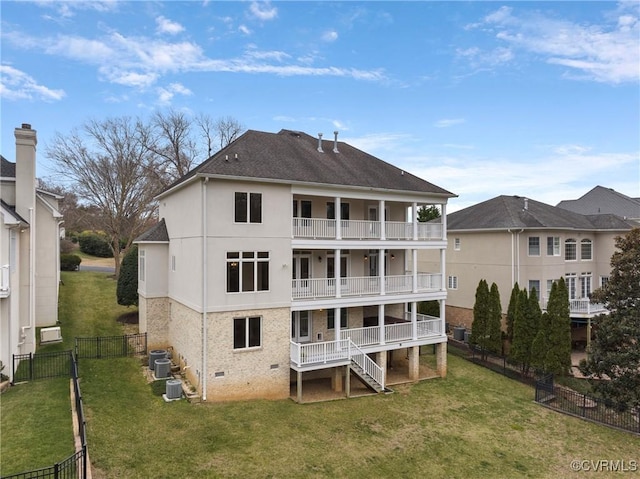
247,332
301,208
603,281
247,271
331,318
453,282
585,249
331,211
456,244
534,283
141,261
534,246
248,207
553,245
570,250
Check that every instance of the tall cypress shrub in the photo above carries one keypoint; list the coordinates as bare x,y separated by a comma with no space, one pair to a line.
127,289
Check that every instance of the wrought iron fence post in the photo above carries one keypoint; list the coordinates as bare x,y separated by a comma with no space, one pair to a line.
56,470
30,366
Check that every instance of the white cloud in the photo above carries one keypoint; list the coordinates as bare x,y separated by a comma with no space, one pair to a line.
266,55
167,26
605,52
263,10
330,36
17,85
447,122
244,29
165,95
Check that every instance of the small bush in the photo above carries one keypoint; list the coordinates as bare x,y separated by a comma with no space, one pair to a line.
67,246
70,262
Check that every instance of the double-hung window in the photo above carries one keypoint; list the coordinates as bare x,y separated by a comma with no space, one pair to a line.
247,332
141,265
331,318
534,246
553,246
247,271
248,207
453,282
331,211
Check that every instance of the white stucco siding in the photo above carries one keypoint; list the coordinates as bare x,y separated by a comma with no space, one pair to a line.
46,266
156,265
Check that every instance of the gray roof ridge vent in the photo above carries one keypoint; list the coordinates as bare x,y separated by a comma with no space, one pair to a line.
320,143
335,142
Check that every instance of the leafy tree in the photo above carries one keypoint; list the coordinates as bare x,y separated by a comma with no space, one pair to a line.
480,316
127,289
615,351
429,308
511,310
428,213
558,357
540,344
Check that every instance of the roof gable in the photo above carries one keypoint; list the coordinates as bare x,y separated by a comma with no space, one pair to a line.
156,234
291,156
7,169
601,200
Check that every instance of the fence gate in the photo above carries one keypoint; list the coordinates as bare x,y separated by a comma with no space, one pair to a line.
28,367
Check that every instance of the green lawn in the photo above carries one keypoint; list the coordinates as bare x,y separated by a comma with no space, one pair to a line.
473,424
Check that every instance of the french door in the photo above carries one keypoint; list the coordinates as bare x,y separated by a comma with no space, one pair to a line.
300,326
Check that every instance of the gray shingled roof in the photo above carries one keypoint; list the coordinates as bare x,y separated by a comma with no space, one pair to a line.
291,156
7,169
503,212
12,210
601,200
156,234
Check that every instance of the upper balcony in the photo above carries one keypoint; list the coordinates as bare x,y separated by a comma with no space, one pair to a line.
5,290
320,228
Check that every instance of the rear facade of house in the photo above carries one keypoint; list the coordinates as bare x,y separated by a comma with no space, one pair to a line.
286,257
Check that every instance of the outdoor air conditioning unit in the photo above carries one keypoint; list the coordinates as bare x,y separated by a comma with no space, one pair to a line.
50,335
173,389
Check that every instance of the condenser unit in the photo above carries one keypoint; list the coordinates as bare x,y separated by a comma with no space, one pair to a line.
50,335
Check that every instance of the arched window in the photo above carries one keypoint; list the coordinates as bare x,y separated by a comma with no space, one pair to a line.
585,249
570,246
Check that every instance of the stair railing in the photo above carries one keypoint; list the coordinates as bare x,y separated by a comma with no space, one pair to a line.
367,364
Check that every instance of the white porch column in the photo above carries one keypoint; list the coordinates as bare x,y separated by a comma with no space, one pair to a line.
336,322
414,269
443,269
338,217
381,270
444,221
383,219
443,319
414,319
414,218
381,323
338,272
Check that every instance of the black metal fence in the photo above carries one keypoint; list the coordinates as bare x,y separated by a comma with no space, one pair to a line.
103,347
74,466
28,367
568,401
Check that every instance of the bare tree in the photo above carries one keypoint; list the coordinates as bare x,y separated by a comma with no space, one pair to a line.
228,129
170,138
108,163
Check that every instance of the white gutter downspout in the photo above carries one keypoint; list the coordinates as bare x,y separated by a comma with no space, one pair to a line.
204,290
32,279
515,251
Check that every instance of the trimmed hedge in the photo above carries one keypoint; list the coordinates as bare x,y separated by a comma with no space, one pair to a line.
70,262
95,244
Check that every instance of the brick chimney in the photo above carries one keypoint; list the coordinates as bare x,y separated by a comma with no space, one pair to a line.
25,169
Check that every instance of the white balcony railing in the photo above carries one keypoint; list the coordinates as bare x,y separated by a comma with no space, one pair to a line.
318,288
4,281
582,306
398,332
320,228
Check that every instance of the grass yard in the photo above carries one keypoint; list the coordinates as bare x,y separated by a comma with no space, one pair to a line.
473,424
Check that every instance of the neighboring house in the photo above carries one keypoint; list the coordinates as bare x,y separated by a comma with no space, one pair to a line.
29,251
601,200
512,238
283,258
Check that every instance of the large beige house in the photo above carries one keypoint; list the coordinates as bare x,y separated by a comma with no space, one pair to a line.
285,258
511,239
29,251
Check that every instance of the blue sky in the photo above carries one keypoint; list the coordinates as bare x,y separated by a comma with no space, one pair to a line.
539,99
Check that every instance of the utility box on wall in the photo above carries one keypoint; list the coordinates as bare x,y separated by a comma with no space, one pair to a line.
50,335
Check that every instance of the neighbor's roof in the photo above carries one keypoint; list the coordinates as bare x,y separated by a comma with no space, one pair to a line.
291,156
11,211
515,212
156,234
7,169
601,200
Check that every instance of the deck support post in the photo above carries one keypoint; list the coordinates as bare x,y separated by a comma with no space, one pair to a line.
441,359
299,387
414,363
336,379
347,385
